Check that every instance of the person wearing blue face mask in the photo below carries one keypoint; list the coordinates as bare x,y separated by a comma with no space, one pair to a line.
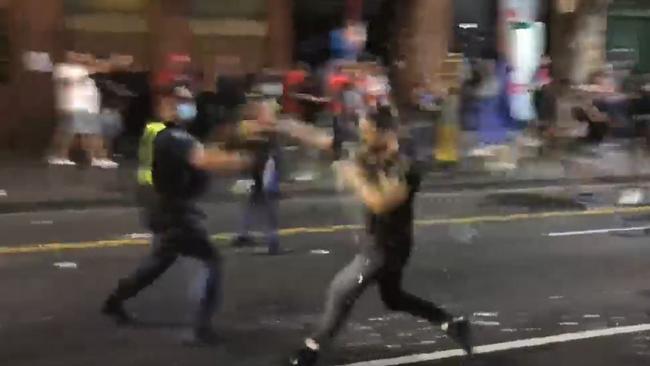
186,111
179,176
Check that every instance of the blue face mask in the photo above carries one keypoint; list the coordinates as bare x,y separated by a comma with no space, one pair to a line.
186,111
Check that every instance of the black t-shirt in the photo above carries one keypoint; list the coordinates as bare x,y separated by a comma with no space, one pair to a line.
394,229
261,150
174,178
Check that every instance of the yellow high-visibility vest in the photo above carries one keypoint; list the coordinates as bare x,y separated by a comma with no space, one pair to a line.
145,152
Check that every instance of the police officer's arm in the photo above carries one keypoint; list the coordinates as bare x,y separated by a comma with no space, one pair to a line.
214,158
380,197
309,135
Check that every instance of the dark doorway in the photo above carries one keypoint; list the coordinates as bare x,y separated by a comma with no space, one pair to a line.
475,27
315,19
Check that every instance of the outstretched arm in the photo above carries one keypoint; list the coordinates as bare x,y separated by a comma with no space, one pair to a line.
306,134
216,159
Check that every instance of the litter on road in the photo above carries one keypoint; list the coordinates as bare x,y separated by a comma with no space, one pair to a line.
66,265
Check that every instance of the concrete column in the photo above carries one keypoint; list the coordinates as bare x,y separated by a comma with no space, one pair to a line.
169,24
36,25
424,31
578,37
280,33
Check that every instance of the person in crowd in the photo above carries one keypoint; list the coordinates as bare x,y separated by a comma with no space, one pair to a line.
208,110
78,103
336,81
294,80
114,96
180,166
490,112
263,200
386,183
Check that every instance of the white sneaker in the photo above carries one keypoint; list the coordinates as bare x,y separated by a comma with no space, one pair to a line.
104,164
53,160
109,164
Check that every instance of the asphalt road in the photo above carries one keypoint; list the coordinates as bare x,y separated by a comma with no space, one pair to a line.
498,265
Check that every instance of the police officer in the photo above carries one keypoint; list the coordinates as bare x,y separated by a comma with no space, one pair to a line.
179,173
386,183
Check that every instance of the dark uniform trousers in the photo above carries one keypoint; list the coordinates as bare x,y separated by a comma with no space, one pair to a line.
178,230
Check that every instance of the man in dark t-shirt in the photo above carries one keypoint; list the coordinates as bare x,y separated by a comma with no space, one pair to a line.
386,183
180,176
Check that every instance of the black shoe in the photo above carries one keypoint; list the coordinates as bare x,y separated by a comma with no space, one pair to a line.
115,310
243,242
202,337
304,357
460,331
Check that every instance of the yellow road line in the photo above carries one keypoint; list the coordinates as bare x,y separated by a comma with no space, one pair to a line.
222,237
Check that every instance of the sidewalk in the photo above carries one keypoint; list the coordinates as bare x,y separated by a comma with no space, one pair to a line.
27,185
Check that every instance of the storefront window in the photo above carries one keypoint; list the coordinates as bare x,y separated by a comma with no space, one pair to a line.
4,46
233,9
99,6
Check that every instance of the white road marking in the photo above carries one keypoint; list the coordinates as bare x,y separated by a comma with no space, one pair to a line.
138,236
598,231
486,315
506,346
482,323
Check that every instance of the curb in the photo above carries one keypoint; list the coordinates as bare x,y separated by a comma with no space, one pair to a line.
129,201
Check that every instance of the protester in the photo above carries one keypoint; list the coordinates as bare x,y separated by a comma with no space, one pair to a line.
293,82
336,82
208,110
386,183
263,200
78,103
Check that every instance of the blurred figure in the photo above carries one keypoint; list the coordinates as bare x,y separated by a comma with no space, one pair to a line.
336,82
489,110
293,82
263,201
176,71
378,88
78,104
208,110
386,183
180,176
447,131
113,100
542,96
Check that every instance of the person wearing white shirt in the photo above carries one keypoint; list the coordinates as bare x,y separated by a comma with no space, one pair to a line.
78,104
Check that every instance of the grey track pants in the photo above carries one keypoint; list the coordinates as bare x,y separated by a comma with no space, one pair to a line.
373,265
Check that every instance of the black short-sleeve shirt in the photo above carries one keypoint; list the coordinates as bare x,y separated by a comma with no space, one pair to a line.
174,178
395,228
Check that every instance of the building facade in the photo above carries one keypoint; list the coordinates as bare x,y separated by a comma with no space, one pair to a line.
257,33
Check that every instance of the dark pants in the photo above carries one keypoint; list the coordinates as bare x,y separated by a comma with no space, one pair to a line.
147,200
264,206
178,232
379,265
